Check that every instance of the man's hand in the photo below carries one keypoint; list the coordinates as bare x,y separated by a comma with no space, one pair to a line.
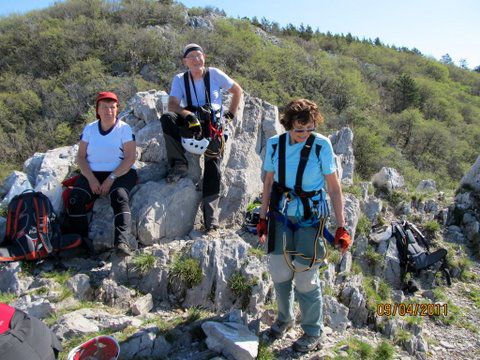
106,185
194,125
228,115
94,185
342,239
262,230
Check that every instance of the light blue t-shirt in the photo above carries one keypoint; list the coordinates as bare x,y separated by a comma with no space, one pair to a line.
219,81
315,169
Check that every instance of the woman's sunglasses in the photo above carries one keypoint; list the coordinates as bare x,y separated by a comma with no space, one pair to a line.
303,130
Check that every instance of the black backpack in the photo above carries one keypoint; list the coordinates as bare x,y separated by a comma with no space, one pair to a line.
414,251
32,230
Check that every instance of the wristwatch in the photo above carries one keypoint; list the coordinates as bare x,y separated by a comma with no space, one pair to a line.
112,176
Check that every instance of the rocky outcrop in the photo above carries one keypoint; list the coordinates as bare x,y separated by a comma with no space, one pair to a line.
388,179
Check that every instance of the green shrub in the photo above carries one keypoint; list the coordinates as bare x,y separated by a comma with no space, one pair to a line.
143,262
241,287
396,197
376,291
187,269
432,226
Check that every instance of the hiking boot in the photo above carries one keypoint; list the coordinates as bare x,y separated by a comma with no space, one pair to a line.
307,343
178,171
280,328
124,250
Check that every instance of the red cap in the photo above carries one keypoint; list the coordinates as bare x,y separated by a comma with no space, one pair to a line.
103,96
6,314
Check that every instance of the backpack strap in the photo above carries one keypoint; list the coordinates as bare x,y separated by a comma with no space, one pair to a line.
304,154
41,221
282,145
206,81
188,94
15,221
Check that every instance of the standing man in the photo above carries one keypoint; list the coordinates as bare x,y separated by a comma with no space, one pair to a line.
195,112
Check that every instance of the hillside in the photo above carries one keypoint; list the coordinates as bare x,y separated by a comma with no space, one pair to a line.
406,110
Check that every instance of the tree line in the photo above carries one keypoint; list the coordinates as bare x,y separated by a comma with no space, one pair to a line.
406,110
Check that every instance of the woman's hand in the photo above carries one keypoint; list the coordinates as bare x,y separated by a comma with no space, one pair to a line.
94,185
262,230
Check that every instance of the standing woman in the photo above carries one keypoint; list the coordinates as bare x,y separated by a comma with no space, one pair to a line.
298,165
106,154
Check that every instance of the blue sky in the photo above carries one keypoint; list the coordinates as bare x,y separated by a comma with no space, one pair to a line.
435,27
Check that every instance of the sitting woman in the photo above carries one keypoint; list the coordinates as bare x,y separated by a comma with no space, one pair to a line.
299,165
106,154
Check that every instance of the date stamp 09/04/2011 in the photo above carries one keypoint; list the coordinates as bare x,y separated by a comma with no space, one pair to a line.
412,309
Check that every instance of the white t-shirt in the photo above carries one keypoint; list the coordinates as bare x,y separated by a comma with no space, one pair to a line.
219,81
105,148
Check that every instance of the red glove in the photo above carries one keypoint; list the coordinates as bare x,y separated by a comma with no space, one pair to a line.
262,228
342,239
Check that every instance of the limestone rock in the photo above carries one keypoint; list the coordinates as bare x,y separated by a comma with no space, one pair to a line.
372,207
342,142
163,210
34,305
147,343
142,305
16,183
335,314
472,177
426,186
231,339
392,271
388,179
32,165
80,286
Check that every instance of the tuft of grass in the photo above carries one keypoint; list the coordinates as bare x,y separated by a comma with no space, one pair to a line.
432,227
186,269
454,315
333,256
257,251
474,295
143,262
401,336
364,226
396,197
376,291
241,287
373,257
264,352
384,351
358,349
60,277
353,189
7,298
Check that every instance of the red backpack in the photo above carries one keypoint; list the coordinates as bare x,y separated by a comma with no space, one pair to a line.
32,230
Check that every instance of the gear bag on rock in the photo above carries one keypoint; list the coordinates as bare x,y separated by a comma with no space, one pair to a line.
32,230
414,250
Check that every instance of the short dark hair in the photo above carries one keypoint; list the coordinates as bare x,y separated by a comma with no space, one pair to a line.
301,110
